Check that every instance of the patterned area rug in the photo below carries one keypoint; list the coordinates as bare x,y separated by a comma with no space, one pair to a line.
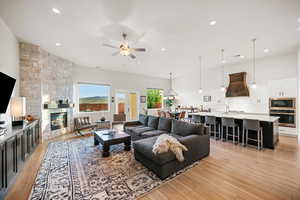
75,170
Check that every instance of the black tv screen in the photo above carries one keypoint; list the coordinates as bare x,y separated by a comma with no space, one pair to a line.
7,84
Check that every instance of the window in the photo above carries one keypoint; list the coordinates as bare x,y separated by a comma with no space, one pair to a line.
154,98
93,98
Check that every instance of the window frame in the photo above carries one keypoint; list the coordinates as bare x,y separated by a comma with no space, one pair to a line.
98,84
162,99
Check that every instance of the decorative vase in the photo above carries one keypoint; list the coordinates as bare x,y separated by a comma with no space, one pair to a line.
102,119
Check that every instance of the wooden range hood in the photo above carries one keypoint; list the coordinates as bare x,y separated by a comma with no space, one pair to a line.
237,85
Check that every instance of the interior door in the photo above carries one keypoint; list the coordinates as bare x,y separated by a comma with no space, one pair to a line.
121,103
127,103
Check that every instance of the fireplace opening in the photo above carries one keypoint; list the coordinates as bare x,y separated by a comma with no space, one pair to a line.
58,120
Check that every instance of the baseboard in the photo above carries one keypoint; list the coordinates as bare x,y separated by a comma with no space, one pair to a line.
288,131
288,135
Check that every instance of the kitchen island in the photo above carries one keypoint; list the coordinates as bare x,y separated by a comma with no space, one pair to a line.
268,123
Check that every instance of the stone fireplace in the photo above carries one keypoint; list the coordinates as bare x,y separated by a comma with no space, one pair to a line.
46,78
58,120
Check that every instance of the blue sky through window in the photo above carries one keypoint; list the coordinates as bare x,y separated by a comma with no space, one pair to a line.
91,90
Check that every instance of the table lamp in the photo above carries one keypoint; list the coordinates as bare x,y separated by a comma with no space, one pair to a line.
18,110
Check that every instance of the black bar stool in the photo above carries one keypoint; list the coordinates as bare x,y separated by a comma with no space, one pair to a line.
229,123
253,125
196,119
211,121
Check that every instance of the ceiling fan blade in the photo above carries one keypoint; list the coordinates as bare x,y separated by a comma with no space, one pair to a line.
111,46
139,49
116,53
132,56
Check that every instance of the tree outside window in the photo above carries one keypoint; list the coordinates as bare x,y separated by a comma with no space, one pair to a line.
154,98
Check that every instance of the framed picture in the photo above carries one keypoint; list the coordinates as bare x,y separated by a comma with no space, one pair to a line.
207,98
143,99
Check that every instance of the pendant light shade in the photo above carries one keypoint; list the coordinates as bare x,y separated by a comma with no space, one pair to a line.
171,93
253,67
222,65
200,88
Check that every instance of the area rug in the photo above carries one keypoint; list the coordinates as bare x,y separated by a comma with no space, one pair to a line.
75,170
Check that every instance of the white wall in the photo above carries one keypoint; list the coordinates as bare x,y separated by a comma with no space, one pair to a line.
117,81
271,73
9,58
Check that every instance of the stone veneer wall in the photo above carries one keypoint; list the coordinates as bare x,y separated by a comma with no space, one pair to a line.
44,78
30,79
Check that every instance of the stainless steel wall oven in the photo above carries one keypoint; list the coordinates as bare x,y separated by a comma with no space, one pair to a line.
285,108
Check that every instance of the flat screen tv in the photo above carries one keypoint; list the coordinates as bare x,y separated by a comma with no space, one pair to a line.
7,84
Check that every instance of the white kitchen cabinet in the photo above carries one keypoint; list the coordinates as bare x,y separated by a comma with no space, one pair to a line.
283,88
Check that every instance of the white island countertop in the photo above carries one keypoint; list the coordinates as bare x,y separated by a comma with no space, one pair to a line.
237,115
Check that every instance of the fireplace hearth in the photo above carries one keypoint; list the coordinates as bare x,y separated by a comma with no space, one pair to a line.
58,120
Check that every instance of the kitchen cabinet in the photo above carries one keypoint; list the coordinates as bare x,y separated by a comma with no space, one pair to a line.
1,166
19,153
10,164
283,88
15,147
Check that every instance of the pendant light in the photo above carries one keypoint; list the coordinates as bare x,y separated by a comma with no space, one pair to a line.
200,88
171,93
253,67
222,65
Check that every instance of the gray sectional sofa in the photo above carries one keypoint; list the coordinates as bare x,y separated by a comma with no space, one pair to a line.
145,132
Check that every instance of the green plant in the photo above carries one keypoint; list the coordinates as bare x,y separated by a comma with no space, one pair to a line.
169,102
154,98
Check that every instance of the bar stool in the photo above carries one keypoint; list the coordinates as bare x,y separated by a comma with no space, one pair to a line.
253,125
196,119
211,121
229,123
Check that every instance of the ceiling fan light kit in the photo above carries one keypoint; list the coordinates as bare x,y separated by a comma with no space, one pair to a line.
124,48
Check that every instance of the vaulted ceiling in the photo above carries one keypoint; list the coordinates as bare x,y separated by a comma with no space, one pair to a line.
182,28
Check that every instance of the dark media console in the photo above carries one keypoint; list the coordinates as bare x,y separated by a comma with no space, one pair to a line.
15,148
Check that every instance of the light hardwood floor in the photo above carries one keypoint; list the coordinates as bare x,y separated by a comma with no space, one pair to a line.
230,172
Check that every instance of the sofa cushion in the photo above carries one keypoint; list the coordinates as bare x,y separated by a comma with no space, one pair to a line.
153,122
143,119
145,146
184,128
130,128
153,133
176,136
165,124
140,130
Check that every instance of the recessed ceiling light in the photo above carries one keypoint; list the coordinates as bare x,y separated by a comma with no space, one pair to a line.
56,11
58,44
241,56
223,61
212,23
298,20
163,49
266,50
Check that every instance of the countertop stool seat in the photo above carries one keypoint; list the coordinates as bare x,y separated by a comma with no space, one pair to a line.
253,125
229,123
214,126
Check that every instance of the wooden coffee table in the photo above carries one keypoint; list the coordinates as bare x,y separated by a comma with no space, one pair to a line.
110,139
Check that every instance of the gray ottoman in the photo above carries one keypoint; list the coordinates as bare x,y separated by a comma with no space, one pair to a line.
165,164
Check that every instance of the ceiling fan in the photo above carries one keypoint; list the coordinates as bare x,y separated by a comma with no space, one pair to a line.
124,48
